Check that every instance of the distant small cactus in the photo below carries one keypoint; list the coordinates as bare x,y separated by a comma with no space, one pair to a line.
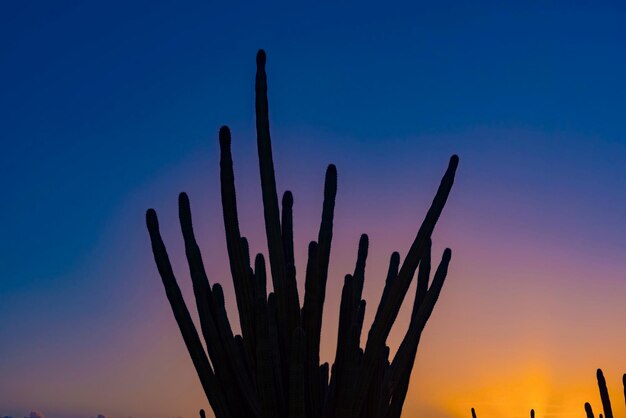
604,396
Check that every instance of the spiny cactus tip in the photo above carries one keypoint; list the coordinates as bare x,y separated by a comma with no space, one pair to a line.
364,240
288,199
224,136
454,160
330,185
151,219
260,58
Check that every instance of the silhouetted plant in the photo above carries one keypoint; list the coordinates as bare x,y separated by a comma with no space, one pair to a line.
588,410
604,396
273,368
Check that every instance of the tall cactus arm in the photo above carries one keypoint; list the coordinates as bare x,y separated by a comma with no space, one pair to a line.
314,395
280,363
229,367
239,260
287,238
396,381
287,310
315,290
265,383
392,273
397,401
389,311
315,284
191,338
297,375
604,395
422,309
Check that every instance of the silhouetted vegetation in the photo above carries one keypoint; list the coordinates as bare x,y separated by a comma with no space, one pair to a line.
273,368
604,397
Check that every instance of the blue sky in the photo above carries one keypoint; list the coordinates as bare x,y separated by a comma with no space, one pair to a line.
95,95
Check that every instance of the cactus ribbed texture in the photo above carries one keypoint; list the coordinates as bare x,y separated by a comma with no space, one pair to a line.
273,368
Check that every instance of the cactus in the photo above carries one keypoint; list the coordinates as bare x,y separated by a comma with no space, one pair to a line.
604,396
273,368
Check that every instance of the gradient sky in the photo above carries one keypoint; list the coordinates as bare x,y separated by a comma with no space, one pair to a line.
109,108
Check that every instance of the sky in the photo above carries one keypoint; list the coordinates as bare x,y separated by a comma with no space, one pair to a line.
110,108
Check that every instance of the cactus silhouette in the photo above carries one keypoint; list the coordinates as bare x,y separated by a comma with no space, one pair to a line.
273,368
604,396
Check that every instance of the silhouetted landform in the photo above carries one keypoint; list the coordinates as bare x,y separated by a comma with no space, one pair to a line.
604,397
273,368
